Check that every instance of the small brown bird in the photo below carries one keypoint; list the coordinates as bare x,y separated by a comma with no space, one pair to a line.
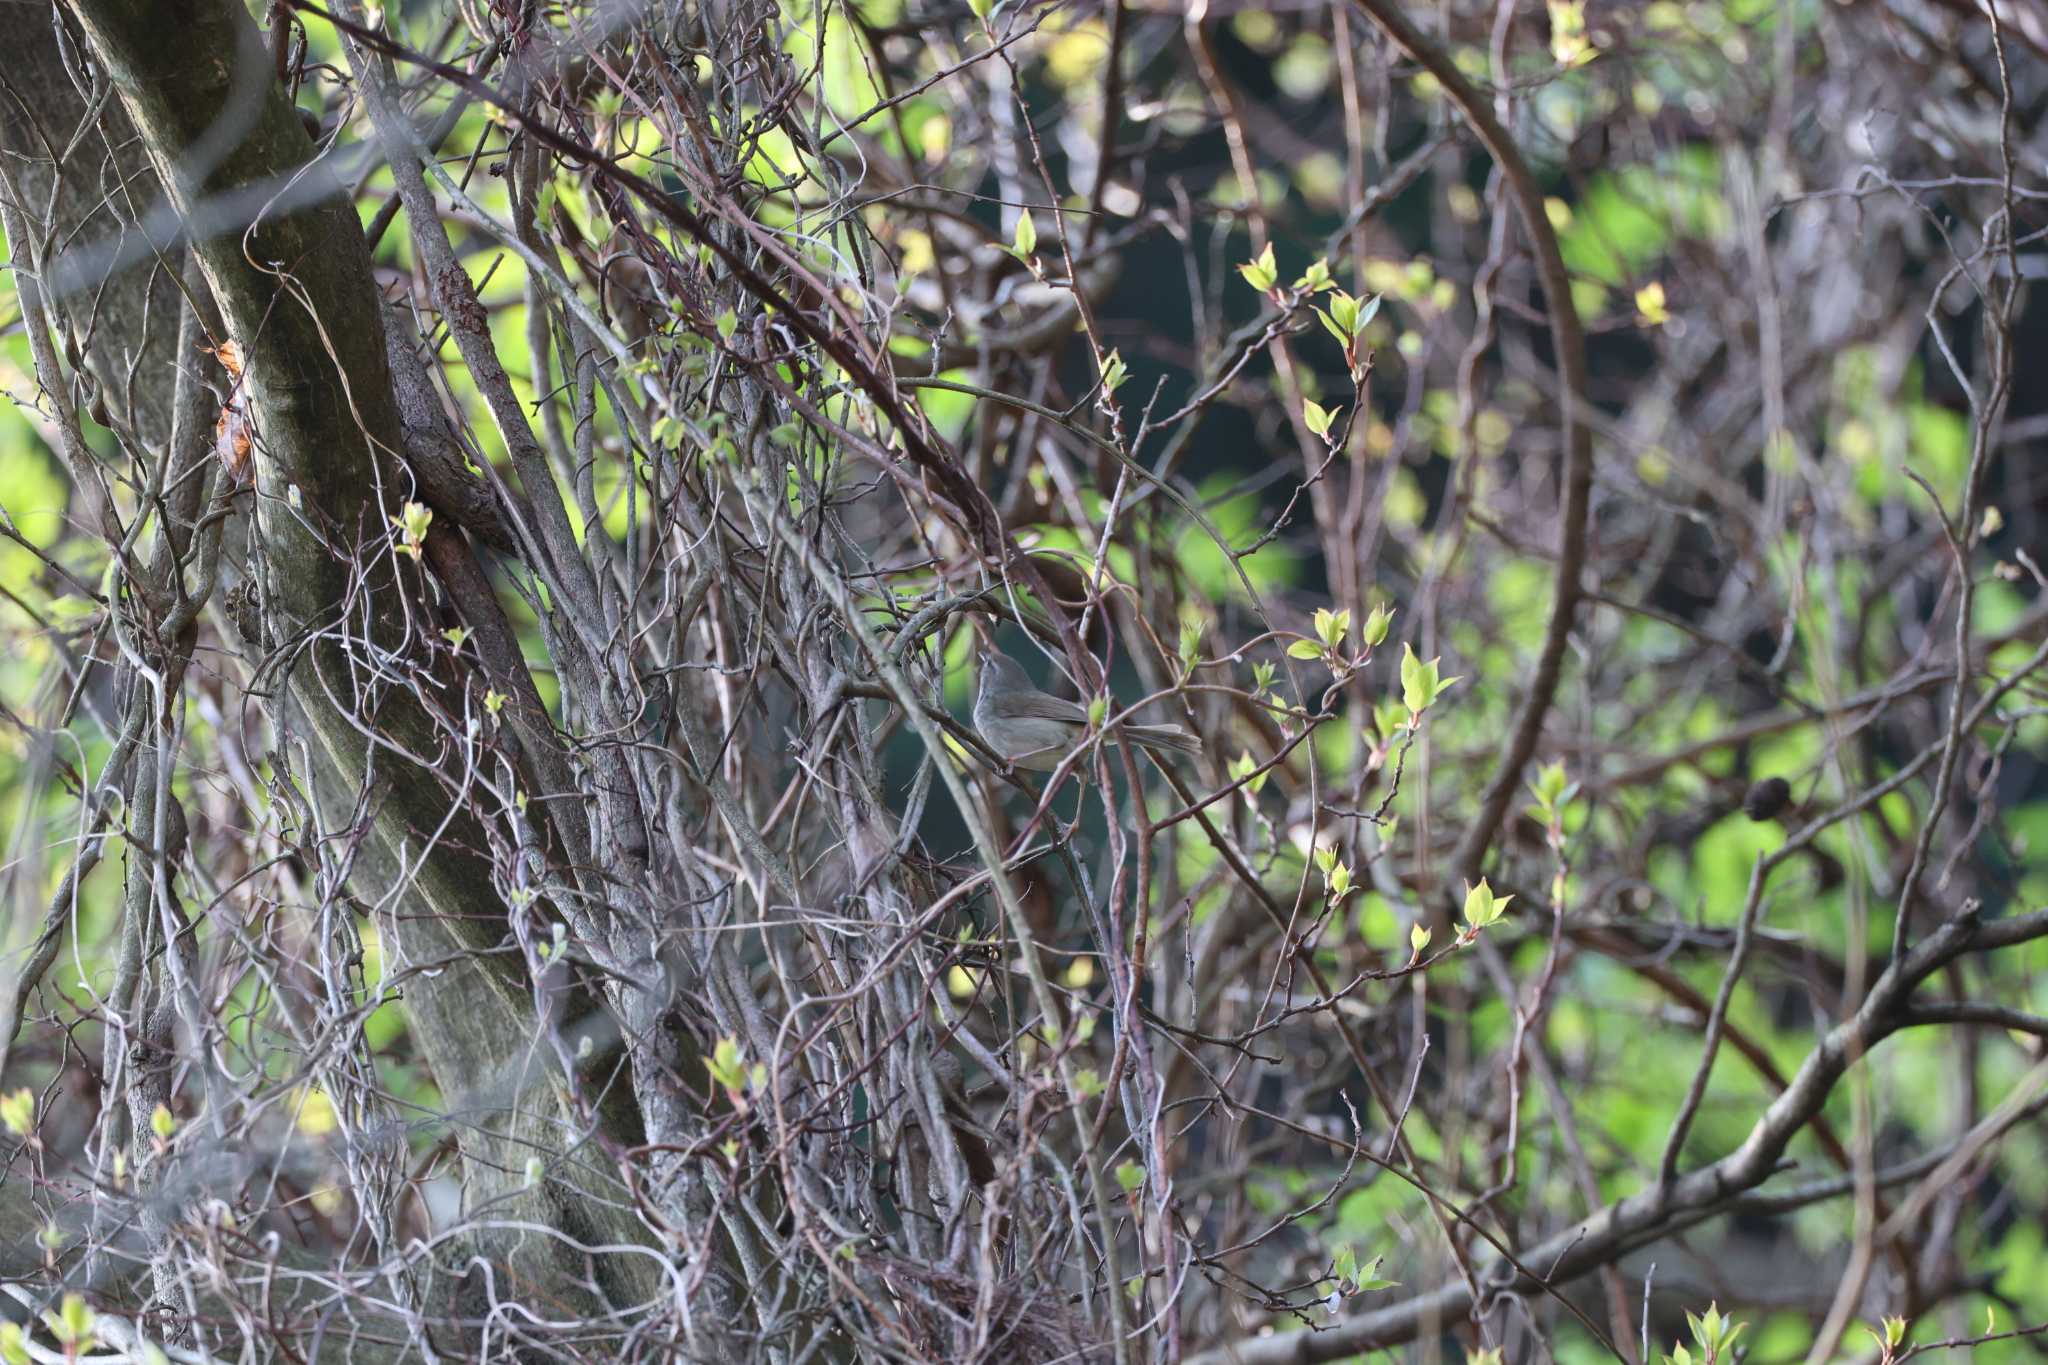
1767,798
1036,730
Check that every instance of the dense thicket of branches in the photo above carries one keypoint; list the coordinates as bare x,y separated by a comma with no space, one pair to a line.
502,503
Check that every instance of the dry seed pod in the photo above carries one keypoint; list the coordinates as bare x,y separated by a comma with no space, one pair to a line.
231,440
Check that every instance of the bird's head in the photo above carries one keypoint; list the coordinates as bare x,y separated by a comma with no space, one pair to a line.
999,670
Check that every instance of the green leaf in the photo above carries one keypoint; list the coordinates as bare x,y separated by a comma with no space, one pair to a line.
1549,783
1418,939
1261,274
1375,629
1420,685
1316,278
1888,1335
1482,907
1130,1175
1651,306
13,1344
18,1111
1025,239
1304,649
1191,629
727,1066
1334,327
1344,313
161,1123
1317,417
728,323
1418,681
71,1323
1114,372
1568,42
412,523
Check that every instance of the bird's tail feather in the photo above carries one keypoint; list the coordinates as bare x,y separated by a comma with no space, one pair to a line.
1163,737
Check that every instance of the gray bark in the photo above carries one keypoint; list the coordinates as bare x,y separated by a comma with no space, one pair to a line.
115,286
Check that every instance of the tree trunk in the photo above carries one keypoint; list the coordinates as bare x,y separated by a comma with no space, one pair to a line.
283,257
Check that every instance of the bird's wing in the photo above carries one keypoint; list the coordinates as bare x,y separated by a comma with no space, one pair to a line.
1037,706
